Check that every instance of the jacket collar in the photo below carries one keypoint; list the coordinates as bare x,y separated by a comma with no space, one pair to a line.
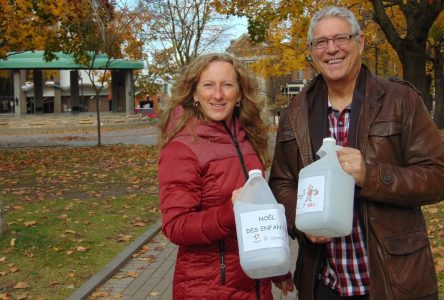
308,113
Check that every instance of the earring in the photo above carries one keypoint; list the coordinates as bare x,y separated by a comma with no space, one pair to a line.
238,104
196,103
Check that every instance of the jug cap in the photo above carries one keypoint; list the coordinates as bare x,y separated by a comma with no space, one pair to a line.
254,172
329,139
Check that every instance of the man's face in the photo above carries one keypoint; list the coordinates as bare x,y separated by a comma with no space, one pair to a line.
340,60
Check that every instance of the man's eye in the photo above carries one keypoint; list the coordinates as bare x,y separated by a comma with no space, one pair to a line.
320,43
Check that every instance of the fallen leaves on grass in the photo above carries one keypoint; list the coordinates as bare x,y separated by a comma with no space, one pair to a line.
36,174
58,201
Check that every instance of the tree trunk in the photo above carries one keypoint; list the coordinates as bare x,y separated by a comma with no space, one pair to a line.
99,135
3,227
413,59
438,67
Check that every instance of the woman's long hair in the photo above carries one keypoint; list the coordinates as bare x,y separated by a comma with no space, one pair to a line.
249,111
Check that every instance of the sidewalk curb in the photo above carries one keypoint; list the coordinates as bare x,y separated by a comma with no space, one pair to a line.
107,272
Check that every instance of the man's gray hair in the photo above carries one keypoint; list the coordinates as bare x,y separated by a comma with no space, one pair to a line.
333,11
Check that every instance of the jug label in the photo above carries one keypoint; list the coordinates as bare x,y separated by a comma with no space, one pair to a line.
310,194
265,228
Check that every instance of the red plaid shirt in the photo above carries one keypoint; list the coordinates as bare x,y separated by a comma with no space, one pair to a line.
346,268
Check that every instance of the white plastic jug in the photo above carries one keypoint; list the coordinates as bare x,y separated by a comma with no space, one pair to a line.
261,229
325,195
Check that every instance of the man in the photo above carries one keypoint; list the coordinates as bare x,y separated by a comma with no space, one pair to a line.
392,149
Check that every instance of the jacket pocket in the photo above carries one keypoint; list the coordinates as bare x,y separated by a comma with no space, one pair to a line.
409,265
385,128
384,143
285,136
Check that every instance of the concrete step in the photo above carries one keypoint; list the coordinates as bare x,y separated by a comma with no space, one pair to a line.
66,120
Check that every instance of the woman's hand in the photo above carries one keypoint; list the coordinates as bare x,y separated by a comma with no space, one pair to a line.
285,286
234,195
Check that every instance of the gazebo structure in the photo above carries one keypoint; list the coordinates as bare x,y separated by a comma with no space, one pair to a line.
68,92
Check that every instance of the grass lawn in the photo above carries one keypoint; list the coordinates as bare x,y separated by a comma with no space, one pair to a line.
69,212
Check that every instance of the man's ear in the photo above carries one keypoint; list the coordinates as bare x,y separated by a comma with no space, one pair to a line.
361,43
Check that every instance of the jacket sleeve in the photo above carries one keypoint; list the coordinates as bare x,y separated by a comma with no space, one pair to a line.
407,167
180,198
284,177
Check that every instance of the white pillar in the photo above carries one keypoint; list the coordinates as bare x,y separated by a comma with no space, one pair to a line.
19,79
129,92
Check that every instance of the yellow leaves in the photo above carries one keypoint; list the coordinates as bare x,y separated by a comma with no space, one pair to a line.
132,274
30,223
124,238
81,249
77,249
100,295
22,296
21,285
439,262
4,297
139,224
12,268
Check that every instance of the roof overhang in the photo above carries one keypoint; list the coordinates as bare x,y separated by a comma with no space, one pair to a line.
35,60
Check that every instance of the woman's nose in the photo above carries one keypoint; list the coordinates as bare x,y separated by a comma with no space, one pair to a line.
217,92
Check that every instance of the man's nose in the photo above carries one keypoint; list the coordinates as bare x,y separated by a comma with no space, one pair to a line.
331,45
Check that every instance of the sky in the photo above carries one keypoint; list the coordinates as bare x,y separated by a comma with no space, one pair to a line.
239,27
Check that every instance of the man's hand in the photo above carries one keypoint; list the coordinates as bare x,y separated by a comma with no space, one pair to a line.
353,164
317,239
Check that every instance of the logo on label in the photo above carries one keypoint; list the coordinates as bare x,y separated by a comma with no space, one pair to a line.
310,194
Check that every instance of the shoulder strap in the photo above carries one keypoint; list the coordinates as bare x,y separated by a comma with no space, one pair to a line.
236,145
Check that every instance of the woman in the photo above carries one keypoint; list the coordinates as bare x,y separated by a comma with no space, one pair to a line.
210,137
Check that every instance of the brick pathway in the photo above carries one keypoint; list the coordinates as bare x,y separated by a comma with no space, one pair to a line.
149,274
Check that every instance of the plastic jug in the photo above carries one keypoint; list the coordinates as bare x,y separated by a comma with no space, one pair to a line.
325,195
261,229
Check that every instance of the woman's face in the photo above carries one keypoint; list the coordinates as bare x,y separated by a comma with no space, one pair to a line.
218,91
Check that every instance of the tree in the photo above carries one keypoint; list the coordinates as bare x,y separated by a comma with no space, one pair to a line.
409,38
102,29
148,84
183,29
